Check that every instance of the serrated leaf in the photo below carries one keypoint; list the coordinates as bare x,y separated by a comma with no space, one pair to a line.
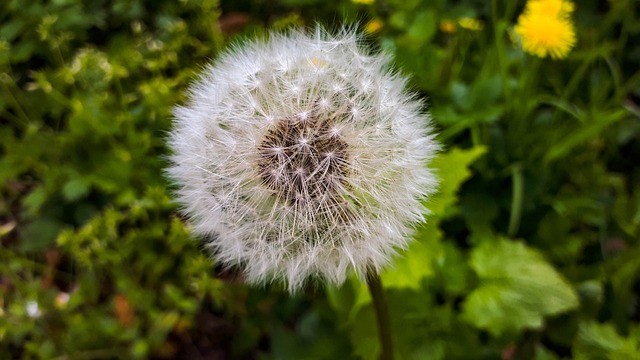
416,263
518,288
452,169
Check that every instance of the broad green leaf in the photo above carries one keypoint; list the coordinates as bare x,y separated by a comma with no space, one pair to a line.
416,263
347,299
601,342
544,354
452,168
452,270
76,188
40,234
518,288
364,334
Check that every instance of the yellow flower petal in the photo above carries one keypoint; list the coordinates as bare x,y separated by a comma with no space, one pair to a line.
553,8
543,35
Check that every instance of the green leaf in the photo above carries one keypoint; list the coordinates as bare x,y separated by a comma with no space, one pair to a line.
453,170
364,334
423,27
40,234
600,341
595,124
294,3
452,270
544,354
76,188
347,299
417,262
34,201
342,298
486,92
460,95
518,288
625,272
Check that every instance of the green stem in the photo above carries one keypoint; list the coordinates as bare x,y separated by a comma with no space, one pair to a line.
494,13
475,135
516,199
502,62
382,314
511,8
577,75
21,113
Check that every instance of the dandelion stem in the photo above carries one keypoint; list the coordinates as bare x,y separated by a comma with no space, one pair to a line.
382,315
517,190
499,29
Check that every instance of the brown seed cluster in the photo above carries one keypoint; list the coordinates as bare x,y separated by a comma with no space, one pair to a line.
303,159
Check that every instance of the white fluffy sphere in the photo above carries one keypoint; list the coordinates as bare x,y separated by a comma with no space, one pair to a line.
301,156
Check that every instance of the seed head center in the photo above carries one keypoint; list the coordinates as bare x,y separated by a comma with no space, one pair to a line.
303,159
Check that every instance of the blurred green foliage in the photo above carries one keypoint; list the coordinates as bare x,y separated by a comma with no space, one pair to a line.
532,250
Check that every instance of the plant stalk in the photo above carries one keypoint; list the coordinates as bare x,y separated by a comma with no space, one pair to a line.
382,314
517,189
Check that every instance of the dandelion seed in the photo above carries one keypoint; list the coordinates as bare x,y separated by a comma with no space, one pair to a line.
330,180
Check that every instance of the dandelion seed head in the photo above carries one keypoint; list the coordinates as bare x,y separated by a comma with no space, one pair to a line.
302,156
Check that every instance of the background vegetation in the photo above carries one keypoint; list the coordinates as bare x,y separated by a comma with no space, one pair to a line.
532,250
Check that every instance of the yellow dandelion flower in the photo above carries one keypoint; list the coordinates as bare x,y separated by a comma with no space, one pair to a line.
543,35
365,2
470,24
554,8
545,28
373,26
447,26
